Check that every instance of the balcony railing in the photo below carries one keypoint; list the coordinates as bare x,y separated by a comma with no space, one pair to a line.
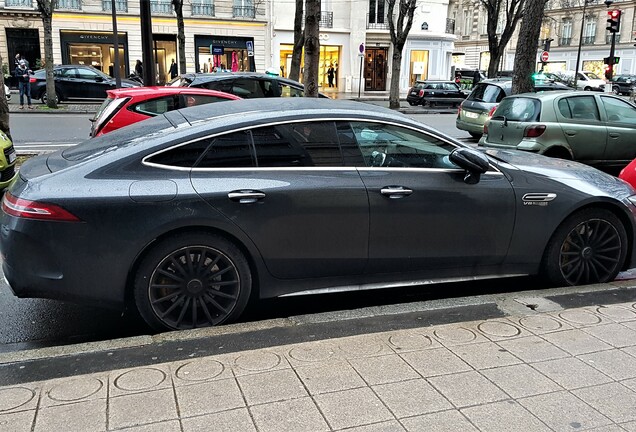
377,22
120,5
326,19
565,41
18,3
450,26
206,9
70,4
160,7
243,11
588,40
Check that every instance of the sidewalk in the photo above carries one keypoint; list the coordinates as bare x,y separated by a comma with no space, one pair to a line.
569,369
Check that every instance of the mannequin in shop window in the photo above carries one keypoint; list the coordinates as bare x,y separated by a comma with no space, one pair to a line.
330,75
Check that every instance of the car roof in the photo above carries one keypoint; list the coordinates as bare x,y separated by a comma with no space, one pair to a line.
165,91
551,95
220,76
435,81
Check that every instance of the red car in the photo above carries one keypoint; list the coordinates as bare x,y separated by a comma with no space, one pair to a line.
126,106
629,173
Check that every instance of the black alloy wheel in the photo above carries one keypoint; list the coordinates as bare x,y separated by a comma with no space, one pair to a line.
191,281
589,247
44,98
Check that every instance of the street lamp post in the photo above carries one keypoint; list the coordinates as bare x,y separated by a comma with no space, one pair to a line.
578,54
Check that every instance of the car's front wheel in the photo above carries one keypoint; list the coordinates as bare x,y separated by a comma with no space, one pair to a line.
616,90
588,247
192,280
44,98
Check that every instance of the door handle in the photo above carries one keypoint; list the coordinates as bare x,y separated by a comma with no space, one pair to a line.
245,197
395,192
614,134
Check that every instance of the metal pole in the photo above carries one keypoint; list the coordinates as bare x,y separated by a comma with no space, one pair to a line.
360,80
116,45
146,43
578,54
611,60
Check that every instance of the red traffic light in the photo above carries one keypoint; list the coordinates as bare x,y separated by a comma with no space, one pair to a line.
614,14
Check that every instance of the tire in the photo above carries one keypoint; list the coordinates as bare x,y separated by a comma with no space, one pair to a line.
587,88
475,135
616,90
43,97
192,280
589,247
412,103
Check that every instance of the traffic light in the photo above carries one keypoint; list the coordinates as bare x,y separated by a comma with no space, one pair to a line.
546,44
608,60
608,71
614,20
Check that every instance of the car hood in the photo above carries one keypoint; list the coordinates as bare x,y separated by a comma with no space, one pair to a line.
578,175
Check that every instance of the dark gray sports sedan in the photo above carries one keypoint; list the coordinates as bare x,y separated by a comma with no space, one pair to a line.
190,214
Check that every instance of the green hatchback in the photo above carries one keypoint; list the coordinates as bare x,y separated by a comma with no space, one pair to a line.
594,128
7,161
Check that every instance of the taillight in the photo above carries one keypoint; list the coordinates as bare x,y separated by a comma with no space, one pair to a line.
32,80
22,208
421,93
486,128
492,111
534,131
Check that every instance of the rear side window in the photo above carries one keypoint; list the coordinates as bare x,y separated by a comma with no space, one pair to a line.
289,91
297,144
155,107
519,109
487,93
579,108
190,100
251,88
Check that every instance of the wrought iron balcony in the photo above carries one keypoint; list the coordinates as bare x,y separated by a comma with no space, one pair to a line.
326,19
243,11
69,4
377,22
565,41
450,26
200,8
588,40
120,5
160,7
18,3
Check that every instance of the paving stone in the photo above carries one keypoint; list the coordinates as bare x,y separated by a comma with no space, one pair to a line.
209,397
609,428
614,400
141,408
492,417
581,317
363,346
390,426
18,398
571,373
541,324
437,361
616,335
409,340
167,426
576,342
139,380
563,411
521,380
258,361
271,386
237,420
295,415
313,352
629,427
20,421
618,313
75,417
533,349
351,408
453,334
614,363
484,355
329,376
446,421
467,388
497,330
383,369
411,398
198,370
76,389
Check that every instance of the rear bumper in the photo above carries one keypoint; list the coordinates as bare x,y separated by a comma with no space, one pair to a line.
469,126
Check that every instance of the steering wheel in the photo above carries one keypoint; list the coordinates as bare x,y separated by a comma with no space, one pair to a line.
377,158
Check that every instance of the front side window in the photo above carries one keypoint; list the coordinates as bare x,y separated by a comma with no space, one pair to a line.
297,144
384,145
289,91
251,88
579,108
87,74
619,111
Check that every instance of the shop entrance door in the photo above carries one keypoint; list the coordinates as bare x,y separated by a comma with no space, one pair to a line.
26,42
375,69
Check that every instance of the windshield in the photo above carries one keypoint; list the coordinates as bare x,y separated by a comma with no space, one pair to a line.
486,93
591,75
518,109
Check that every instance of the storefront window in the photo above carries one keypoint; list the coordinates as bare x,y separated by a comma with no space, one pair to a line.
484,60
329,58
165,50
228,60
94,49
419,66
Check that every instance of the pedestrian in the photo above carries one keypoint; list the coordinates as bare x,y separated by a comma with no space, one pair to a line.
330,74
174,70
139,68
22,73
458,78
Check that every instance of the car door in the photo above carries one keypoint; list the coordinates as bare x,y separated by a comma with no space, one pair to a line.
423,216
621,129
582,127
68,83
94,84
305,211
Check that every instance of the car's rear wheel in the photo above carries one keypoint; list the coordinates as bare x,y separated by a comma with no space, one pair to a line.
616,90
475,134
588,247
192,280
412,103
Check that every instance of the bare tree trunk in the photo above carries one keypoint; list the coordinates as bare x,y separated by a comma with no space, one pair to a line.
512,11
312,47
45,7
394,88
4,108
526,52
181,39
398,31
299,41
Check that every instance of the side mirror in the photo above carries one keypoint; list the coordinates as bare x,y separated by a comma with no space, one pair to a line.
474,162
99,79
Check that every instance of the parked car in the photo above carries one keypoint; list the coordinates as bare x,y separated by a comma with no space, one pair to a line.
433,93
585,80
596,129
246,85
482,101
623,84
123,107
628,173
191,213
8,158
75,82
